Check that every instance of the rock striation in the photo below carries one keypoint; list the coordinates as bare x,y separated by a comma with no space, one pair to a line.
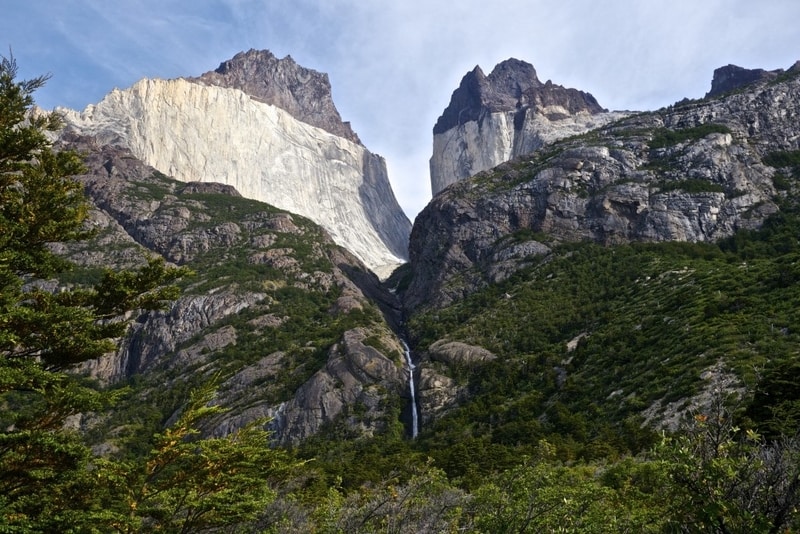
696,171
509,113
268,128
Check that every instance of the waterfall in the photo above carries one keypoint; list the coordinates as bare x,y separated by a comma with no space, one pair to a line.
414,414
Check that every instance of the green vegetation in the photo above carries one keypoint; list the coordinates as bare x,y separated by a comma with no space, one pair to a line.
186,484
650,319
547,424
49,480
666,137
784,159
690,185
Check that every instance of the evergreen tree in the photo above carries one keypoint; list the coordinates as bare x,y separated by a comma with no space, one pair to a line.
42,333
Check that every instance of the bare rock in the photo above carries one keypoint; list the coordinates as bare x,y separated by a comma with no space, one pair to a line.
437,394
267,128
731,77
304,93
455,353
509,113
356,375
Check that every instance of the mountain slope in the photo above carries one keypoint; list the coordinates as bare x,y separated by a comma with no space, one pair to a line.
276,314
593,347
558,314
194,131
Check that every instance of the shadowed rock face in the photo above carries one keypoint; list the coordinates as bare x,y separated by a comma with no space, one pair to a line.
509,113
511,86
732,77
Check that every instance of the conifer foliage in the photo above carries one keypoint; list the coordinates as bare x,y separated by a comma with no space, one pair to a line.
49,480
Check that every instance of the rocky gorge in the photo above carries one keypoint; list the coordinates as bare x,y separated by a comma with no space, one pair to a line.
263,276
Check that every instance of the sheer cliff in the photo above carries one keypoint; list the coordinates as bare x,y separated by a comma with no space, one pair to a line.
269,128
509,113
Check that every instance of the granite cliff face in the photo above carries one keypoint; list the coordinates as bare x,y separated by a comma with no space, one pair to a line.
509,113
269,128
695,171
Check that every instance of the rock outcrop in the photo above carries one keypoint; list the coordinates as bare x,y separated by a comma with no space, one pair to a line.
229,126
353,390
509,113
356,383
455,353
691,172
733,77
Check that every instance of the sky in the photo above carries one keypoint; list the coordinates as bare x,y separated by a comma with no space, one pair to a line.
393,65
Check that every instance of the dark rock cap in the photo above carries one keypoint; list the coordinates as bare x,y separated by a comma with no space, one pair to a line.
512,85
303,93
731,77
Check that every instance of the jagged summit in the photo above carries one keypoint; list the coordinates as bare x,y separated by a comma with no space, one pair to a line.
511,86
303,93
509,113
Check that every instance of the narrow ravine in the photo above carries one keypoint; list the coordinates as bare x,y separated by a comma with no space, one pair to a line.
412,389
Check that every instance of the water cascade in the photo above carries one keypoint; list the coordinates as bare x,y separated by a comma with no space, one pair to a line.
412,388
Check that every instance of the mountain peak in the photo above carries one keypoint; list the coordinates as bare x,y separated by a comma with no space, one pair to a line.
512,85
303,93
513,77
731,77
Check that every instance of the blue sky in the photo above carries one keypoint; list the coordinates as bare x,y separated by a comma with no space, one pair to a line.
394,64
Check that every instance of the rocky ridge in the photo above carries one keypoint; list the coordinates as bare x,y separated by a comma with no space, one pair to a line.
209,129
690,172
264,279
509,113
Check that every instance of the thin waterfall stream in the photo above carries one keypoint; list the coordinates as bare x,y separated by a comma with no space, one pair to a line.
412,389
